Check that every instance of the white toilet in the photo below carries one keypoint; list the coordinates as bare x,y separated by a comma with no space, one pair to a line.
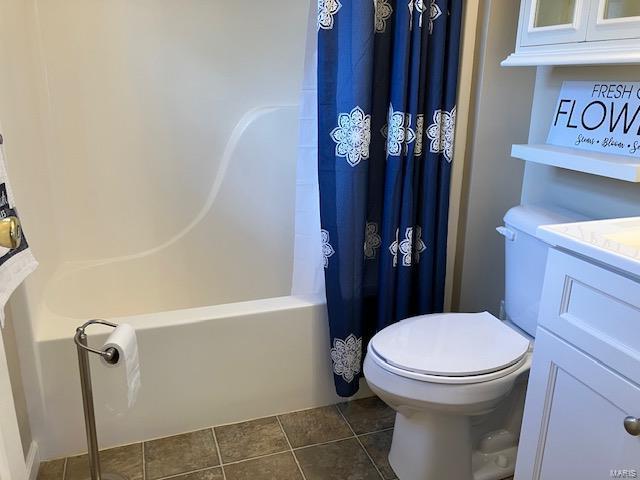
438,371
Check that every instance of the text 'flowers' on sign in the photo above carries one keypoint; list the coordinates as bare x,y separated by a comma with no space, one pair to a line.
598,116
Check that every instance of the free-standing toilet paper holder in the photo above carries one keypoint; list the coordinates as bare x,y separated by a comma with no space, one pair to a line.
111,356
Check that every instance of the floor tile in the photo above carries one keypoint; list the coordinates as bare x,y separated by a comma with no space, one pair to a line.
180,454
241,441
281,466
377,446
126,461
336,461
318,425
368,415
51,470
210,474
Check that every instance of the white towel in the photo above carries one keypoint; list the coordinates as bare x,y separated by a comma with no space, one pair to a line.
15,265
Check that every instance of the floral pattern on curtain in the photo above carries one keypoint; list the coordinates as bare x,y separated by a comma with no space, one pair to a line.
387,79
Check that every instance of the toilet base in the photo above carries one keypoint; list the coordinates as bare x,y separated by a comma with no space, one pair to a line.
431,445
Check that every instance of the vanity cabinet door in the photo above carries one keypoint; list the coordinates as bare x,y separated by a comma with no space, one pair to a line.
595,309
614,20
545,22
574,420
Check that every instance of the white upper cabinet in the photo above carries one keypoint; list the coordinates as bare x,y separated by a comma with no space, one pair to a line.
575,32
614,19
549,22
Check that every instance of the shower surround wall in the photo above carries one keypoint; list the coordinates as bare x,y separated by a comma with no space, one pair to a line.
173,128
152,144
21,91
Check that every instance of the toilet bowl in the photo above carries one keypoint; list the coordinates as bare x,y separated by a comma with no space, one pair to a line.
437,371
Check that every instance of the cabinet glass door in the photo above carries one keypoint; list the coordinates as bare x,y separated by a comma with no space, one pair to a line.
621,9
554,12
548,22
614,20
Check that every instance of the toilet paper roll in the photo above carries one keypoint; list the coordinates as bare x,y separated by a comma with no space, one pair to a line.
123,339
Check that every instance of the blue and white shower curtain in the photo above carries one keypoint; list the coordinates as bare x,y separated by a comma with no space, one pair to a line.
387,78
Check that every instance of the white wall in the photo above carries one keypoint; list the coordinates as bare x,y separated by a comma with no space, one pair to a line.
118,116
493,179
17,384
22,91
144,95
238,248
144,101
591,195
22,120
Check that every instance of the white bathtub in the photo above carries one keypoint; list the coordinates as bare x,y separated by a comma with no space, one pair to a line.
200,367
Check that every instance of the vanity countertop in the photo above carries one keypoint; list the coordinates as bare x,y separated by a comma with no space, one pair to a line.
615,242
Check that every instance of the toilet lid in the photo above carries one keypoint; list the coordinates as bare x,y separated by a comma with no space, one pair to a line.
450,344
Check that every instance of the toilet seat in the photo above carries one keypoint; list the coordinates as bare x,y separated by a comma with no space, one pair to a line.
454,348
444,379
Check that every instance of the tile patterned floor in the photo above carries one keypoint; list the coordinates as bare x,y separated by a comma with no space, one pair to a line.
338,442
346,441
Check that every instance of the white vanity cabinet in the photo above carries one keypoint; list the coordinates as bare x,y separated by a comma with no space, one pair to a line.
583,400
574,32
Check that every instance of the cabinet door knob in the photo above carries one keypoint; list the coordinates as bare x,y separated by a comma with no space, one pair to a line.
632,425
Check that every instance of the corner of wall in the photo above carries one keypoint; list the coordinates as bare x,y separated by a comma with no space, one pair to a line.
492,181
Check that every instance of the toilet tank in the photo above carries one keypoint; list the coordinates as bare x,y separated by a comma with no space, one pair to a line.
526,259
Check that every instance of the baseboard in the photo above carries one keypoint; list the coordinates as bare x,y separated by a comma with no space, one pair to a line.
33,461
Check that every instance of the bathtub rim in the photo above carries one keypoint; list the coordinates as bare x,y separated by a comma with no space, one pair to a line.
53,326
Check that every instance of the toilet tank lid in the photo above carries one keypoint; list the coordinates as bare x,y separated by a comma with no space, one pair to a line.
527,218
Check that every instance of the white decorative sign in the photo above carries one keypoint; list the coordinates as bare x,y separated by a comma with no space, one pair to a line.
598,116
